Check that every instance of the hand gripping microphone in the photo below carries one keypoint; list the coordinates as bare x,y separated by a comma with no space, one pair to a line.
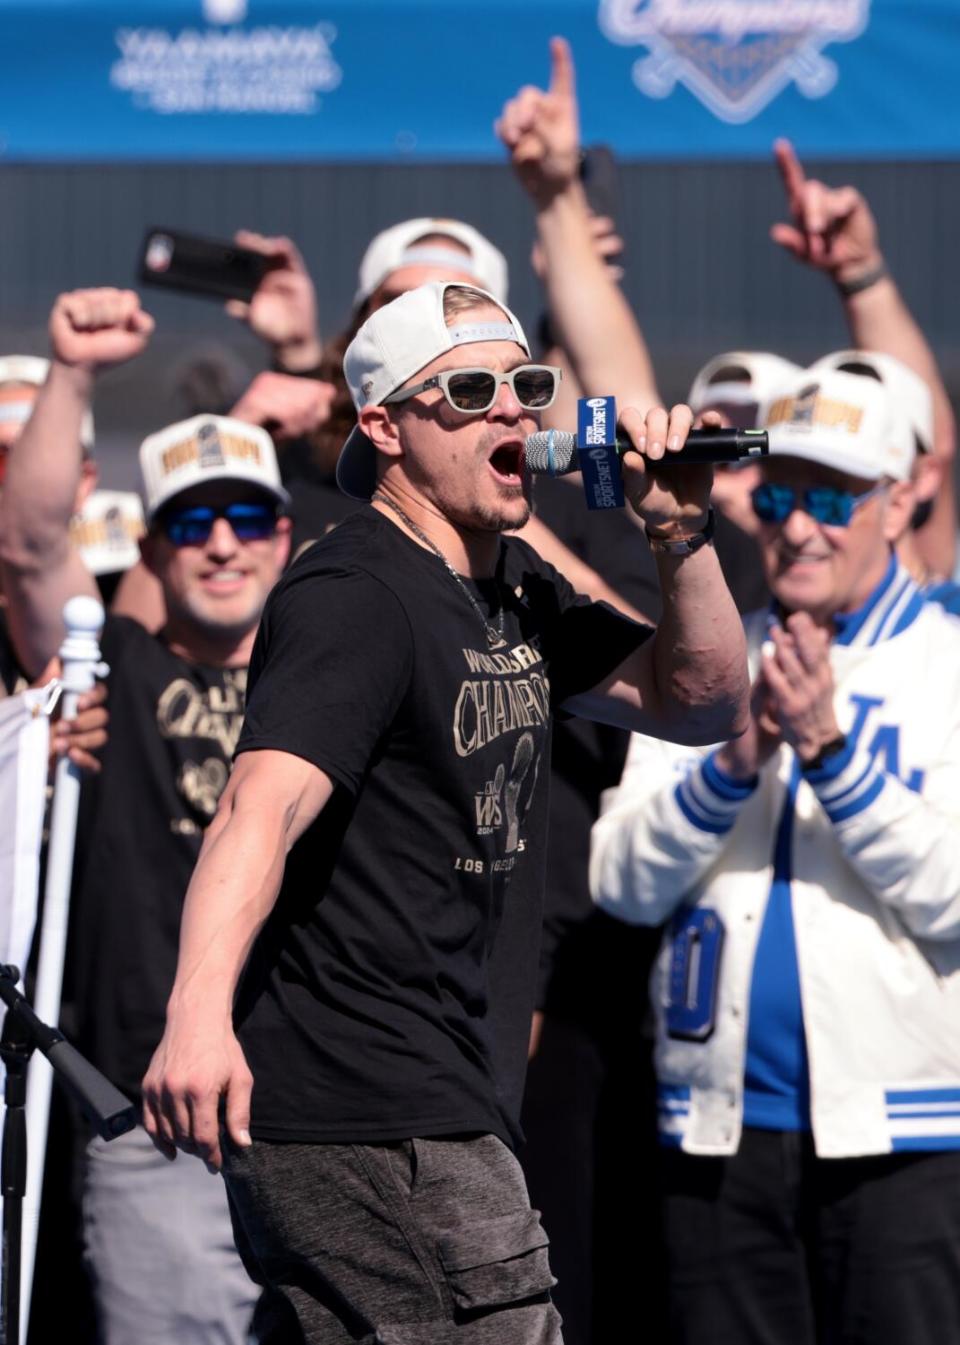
596,451
555,452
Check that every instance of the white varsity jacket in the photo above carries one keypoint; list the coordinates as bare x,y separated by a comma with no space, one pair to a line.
875,892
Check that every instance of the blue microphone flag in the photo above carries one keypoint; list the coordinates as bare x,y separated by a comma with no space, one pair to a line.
599,459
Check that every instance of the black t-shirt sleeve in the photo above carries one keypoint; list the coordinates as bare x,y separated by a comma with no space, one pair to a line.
331,665
583,641
591,640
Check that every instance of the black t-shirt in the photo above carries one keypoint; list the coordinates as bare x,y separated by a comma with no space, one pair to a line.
173,729
588,758
317,509
12,677
612,543
390,992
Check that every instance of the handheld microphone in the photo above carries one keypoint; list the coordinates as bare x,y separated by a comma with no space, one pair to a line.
555,452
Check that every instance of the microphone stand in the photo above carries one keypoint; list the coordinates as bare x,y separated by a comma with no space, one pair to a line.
112,1115
80,657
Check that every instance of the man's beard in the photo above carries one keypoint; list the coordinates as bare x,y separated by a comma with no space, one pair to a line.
494,520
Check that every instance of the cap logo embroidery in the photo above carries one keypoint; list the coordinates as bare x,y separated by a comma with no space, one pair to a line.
209,450
211,454
113,530
809,410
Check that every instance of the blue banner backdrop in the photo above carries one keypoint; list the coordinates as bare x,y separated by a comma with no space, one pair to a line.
391,79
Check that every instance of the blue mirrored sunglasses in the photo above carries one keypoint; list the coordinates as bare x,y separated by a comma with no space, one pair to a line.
252,522
774,503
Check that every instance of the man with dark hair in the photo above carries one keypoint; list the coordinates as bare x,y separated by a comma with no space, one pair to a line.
395,748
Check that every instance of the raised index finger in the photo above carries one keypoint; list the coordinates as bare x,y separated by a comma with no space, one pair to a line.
791,170
562,73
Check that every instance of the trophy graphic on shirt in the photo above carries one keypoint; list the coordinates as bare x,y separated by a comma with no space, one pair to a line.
522,761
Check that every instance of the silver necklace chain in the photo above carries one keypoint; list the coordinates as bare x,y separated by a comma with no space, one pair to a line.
494,633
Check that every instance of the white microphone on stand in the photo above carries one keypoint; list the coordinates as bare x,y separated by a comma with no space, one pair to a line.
80,659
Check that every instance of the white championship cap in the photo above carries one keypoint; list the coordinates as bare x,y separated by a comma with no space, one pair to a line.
207,448
910,393
31,370
844,421
740,378
107,531
401,246
391,346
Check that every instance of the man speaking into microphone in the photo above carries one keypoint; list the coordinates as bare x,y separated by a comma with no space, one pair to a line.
375,868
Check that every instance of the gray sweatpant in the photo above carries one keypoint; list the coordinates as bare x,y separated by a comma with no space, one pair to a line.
158,1244
418,1242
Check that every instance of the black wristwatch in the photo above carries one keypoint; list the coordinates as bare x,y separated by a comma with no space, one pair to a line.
831,749
684,546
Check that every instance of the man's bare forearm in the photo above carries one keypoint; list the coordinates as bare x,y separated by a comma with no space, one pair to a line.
689,682
269,802
699,652
879,320
593,320
39,568
43,472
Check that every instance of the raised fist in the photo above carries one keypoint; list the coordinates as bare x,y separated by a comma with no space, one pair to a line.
283,311
287,407
541,129
94,329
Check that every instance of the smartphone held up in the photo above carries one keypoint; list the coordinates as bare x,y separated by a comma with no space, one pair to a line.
174,260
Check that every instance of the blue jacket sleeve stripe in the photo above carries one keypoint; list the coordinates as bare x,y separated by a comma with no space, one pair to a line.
828,796
860,802
698,820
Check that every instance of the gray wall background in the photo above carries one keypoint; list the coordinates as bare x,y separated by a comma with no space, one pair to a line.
701,272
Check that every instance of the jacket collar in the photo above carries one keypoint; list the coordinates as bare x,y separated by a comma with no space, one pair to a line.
893,605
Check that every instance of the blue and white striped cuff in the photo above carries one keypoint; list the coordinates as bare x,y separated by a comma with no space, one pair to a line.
847,784
710,799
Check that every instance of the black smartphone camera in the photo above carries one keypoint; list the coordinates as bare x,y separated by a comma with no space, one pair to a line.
173,260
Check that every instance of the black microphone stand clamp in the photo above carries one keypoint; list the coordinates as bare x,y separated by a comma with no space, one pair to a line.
111,1113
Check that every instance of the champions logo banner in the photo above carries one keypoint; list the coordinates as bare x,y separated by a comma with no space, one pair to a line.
393,80
734,55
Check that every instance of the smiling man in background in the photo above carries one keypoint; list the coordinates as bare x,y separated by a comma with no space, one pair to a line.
158,1239
808,873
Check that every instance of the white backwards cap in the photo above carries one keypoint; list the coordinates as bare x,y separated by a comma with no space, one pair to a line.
393,343
740,378
401,246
